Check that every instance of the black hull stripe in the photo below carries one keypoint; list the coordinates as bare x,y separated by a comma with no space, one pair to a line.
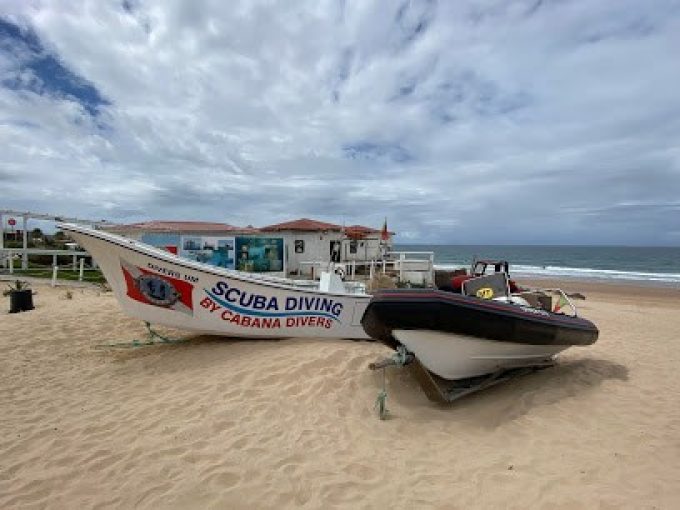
515,311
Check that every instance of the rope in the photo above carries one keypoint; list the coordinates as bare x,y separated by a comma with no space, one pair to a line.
380,404
400,358
154,338
381,401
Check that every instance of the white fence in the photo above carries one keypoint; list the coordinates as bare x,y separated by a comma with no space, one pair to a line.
416,267
8,257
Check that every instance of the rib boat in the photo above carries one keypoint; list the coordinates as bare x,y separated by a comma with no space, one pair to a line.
159,287
479,335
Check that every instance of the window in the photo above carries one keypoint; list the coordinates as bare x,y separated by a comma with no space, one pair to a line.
299,246
353,246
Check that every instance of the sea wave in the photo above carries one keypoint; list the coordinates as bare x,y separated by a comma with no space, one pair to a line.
578,272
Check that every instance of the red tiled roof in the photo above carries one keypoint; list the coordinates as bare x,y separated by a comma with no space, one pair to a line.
303,224
363,229
360,231
181,226
300,225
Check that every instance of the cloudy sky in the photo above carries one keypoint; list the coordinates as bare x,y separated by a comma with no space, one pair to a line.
481,121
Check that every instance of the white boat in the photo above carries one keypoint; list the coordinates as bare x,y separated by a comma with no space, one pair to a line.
161,288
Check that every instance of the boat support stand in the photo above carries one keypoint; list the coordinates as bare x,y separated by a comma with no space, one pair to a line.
445,391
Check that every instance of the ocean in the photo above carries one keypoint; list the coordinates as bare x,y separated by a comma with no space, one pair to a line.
654,265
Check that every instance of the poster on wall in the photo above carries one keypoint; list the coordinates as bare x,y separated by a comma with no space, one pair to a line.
259,255
166,241
217,251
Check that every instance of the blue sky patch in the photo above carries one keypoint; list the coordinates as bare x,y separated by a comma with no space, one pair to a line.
39,71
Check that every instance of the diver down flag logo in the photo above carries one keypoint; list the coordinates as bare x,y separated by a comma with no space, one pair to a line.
157,290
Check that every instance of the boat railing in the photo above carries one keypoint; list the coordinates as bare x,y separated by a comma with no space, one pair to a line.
308,284
407,266
351,287
562,300
567,300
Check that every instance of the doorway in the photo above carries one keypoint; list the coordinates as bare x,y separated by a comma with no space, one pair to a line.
335,251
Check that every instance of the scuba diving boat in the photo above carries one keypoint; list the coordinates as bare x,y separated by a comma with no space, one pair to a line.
475,332
159,287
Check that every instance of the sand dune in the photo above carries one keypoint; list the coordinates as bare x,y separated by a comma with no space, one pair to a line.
219,423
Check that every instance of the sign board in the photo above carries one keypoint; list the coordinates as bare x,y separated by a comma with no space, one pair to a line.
259,254
251,254
217,251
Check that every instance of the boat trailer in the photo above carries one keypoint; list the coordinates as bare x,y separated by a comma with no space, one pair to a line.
444,391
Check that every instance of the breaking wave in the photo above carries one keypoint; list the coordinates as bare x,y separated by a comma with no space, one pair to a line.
579,272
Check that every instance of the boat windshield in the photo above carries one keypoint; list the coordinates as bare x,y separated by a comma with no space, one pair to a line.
550,300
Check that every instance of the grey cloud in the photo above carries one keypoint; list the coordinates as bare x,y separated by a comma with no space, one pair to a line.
6,175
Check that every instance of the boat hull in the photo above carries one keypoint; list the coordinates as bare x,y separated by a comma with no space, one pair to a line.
452,356
162,288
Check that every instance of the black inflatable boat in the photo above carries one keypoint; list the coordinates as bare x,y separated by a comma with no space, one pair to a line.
483,330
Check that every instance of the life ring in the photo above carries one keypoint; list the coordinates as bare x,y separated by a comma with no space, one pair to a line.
340,272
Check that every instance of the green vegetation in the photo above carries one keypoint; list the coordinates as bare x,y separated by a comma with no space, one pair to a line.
92,276
40,266
38,239
15,286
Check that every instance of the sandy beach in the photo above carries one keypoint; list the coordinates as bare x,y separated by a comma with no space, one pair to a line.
220,423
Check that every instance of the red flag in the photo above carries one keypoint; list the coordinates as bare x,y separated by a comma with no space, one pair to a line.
384,235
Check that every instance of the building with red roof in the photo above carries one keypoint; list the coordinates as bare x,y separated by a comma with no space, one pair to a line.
203,241
178,227
312,241
303,225
306,243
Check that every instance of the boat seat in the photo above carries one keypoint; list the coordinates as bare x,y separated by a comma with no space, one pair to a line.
487,287
538,299
332,283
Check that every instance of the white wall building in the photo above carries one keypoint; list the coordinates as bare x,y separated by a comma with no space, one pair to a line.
310,242
307,245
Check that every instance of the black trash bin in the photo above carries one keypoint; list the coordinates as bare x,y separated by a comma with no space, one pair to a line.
20,300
